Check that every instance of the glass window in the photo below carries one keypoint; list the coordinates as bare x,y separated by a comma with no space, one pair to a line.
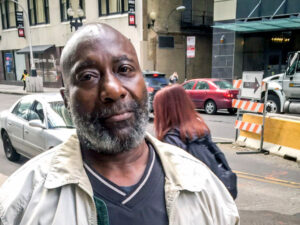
38,11
201,85
8,14
292,68
189,85
65,4
38,112
156,81
23,108
59,116
112,7
223,84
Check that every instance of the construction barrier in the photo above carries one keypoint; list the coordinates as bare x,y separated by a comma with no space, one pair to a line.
246,126
237,83
281,134
248,105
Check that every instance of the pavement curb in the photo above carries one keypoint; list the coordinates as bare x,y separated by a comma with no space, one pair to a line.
13,93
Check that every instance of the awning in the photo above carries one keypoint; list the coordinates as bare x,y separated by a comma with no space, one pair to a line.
35,49
261,25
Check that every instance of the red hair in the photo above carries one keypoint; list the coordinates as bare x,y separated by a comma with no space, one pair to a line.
173,108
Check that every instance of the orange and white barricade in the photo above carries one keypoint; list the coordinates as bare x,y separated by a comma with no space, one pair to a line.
248,105
246,126
237,83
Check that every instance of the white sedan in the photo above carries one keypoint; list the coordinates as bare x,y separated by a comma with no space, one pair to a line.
34,124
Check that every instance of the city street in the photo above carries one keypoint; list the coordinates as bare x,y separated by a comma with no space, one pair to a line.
269,186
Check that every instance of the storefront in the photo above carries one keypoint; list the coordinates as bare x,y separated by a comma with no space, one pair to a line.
45,59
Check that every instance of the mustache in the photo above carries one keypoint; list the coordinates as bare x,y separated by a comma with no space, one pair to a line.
115,109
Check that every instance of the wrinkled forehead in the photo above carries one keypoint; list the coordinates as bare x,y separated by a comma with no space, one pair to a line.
94,37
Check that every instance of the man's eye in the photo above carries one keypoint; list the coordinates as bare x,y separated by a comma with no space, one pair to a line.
125,69
86,77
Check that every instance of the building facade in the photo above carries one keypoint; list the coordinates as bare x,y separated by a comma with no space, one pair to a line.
254,36
158,33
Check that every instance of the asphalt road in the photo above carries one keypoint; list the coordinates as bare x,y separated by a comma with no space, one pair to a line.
269,186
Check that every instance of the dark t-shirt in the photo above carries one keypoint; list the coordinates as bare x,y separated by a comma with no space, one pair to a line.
142,203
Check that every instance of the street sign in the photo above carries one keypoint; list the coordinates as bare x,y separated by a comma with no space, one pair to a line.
131,13
190,46
252,85
131,19
19,19
21,32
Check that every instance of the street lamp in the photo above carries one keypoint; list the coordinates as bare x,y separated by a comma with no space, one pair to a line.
178,9
75,22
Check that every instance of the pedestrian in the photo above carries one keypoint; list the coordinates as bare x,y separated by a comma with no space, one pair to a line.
173,78
176,122
111,171
23,78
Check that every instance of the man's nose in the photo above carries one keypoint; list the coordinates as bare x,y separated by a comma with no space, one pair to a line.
111,89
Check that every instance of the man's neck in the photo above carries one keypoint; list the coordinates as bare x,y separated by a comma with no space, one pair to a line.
123,169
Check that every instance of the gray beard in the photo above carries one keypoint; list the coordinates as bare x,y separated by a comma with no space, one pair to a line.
111,140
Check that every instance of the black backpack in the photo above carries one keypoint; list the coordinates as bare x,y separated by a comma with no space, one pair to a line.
208,152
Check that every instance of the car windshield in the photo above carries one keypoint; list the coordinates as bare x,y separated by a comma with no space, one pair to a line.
59,116
156,81
223,84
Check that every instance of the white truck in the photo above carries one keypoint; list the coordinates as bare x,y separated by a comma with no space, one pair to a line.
284,89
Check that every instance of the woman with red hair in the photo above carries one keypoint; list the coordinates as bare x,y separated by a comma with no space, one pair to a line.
176,122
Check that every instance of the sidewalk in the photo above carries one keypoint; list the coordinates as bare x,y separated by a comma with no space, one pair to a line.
18,90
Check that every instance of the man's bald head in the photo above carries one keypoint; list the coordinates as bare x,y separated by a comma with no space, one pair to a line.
87,35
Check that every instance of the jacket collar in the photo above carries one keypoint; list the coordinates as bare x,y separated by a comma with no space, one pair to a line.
67,166
182,170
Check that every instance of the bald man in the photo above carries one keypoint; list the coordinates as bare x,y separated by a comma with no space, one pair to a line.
111,171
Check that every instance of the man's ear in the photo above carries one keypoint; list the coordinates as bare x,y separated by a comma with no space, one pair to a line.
63,93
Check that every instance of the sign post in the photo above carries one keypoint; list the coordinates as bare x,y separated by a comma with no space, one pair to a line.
20,23
251,88
131,13
190,52
190,43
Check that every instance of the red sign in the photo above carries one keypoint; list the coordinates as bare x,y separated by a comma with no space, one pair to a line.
131,19
190,46
21,32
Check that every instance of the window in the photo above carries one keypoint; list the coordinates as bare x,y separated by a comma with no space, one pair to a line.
8,14
201,85
107,7
22,109
38,112
38,11
65,4
189,85
223,84
58,116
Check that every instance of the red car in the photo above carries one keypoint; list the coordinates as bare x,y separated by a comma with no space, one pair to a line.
211,94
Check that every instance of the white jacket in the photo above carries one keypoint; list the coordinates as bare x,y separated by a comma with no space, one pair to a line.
53,189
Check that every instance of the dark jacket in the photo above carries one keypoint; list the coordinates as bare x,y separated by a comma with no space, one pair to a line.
208,152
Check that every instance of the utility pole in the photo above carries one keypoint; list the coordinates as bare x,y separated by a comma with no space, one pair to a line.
32,65
36,83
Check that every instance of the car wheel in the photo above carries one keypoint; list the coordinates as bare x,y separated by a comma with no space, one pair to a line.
273,104
232,111
210,107
9,150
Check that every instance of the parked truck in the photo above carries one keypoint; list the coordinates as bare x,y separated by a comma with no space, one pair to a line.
284,88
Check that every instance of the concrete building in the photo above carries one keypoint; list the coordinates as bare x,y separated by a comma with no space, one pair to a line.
158,34
254,36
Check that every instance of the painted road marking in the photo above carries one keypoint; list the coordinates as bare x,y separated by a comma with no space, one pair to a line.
267,179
